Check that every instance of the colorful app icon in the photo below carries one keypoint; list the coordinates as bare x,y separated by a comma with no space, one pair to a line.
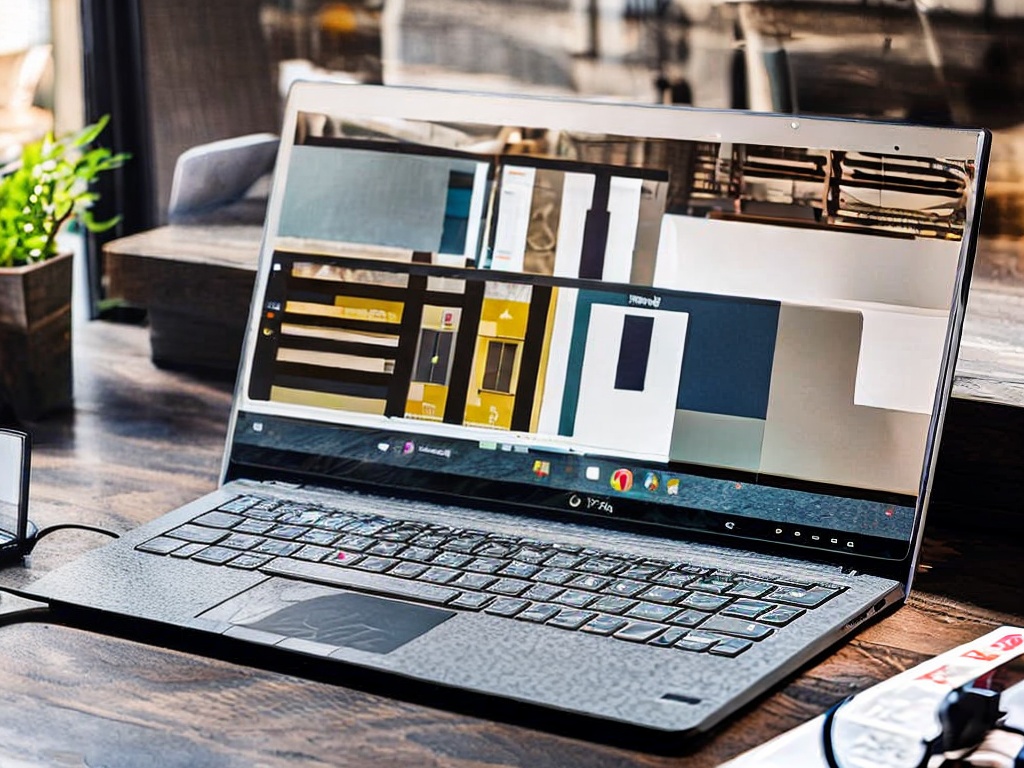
652,482
622,480
409,447
672,486
593,473
541,468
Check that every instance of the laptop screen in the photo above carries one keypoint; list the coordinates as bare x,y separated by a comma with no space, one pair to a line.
733,324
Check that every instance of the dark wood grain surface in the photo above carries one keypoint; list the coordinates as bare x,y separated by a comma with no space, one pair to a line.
142,440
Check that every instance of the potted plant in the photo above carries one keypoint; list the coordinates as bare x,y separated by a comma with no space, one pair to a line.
49,187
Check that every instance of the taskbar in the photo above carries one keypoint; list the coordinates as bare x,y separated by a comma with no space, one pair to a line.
496,473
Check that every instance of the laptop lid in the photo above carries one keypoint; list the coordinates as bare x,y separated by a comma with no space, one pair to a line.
733,326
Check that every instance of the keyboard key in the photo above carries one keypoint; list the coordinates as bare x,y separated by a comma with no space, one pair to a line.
355,579
506,606
539,613
613,604
732,646
355,543
745,608
689,617
571,618
240,504
576,598
778,616
696,641
662,594
668,637
218,520
188,550
260,513
317,536
344,558
287,531
563,560
474,601
279,548
542,592
659,564
714,583
589,581
400,533
161,545
673,578
494,549
749,589
302,517
553,576
198,534
255,527
485,565
336,523
386,548
369,527
464,544
652,612
624,588
531,555
703,602
639,631
430,540
248,561
313,553
242,541
640,572
727,625
509,586
215,555
439,575
451,559
407,570
604,625
375,564
600,565
473,581
519,570
566,547
803,597
419,554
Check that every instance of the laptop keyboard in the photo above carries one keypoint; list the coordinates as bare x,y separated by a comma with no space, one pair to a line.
661,603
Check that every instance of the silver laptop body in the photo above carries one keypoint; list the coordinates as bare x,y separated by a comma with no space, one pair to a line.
669,382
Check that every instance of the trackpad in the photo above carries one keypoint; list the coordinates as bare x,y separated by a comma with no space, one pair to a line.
279,610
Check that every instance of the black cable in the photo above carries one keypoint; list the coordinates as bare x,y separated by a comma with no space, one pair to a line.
64,527
827,744
25,615
31,614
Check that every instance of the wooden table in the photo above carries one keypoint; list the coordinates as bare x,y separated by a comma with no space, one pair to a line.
142,440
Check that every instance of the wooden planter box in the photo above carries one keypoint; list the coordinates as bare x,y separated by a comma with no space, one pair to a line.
35,338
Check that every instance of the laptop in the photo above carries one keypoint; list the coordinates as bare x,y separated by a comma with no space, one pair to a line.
612,414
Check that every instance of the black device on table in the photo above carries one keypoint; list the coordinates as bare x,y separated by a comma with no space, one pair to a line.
15,529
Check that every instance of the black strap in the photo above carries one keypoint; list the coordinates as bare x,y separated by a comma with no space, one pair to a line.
826,734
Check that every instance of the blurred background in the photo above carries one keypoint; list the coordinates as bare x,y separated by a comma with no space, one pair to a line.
179,73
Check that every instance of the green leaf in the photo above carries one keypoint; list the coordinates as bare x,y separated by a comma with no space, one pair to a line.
51,187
